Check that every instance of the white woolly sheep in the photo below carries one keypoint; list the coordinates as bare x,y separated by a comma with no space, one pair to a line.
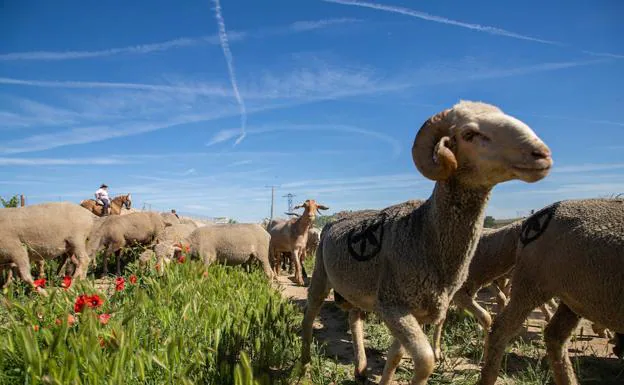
232,244
44,231
572,250
113,233
407,263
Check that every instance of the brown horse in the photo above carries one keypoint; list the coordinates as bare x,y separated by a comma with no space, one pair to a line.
115,205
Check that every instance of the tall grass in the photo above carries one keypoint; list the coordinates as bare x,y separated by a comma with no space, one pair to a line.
189,326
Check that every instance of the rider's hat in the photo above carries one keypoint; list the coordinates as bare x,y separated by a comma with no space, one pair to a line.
103,186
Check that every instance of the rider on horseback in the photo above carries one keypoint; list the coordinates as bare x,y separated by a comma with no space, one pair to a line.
101,197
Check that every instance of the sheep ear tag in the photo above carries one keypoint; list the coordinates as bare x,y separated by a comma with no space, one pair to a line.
536,224
364,242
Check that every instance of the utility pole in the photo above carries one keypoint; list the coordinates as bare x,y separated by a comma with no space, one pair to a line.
290,201
272,199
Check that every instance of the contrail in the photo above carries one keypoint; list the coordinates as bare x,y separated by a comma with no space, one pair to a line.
223,38
443,20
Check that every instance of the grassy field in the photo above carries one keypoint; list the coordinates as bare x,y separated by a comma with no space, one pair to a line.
220,325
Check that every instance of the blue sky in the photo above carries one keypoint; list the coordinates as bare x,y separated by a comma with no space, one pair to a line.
153,98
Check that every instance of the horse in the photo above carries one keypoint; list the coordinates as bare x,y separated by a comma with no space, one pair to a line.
115,205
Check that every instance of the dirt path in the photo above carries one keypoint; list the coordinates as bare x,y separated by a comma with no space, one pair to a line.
331,328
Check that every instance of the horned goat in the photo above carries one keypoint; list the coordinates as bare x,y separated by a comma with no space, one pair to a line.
292,235
407,263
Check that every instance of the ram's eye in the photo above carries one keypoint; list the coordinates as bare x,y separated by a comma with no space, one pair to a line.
469,135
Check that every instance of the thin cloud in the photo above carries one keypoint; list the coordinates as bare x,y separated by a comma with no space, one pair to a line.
4,161
190,171
302,26
201,90
141,49
289,94
136,49
443,20
604,54
223,37
588,167
228,134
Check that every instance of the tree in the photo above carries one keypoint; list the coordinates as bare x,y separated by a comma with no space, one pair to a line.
13,202
489,221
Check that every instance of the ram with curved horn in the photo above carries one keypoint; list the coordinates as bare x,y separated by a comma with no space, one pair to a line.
407,261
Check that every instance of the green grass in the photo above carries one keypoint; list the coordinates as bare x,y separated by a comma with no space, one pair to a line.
179,328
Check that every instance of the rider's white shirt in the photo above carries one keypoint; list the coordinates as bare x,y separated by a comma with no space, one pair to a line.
102,193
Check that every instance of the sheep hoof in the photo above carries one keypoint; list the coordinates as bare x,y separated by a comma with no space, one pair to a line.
437,354
361,378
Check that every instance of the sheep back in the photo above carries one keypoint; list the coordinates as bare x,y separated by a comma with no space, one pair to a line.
45,229
140,227
232,244
575,250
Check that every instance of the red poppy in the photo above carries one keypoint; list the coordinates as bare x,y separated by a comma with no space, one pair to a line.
120,283
67,281
133,279
94,301
80,303
205,274
157,267
181,259
71,319
58,321
36,327
102,341
40,283
104,318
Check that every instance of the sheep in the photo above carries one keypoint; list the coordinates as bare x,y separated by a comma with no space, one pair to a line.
406,263
171,218
187,221
493,259
44,231
167,241
232,244
292,235
113,233
573,250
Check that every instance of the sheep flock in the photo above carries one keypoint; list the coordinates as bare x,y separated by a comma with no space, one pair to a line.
406,263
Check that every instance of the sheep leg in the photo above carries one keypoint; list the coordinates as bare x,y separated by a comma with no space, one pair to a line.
41,267
317,292
294,259
409,334
437,338
266,265
9,277
22,263
465,301
507,324
356,323
556,335
277,257
80,259
395,354
496,289
118,259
